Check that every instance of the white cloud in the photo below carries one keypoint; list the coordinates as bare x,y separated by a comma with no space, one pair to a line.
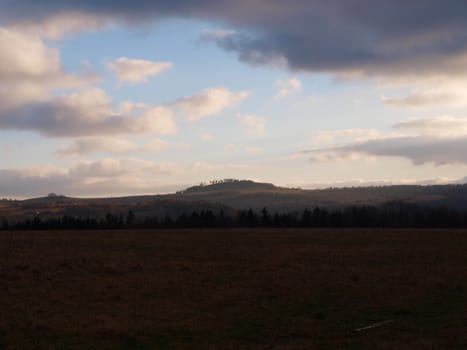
288,87
253,149
428,92
209,102
202,167
136,70
155,120
30,69
255,126
419,99
332,137
130,107
26,56
155,145
207,136
232,148
35,95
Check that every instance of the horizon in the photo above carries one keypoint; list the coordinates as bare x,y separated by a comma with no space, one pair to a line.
107,100
441,182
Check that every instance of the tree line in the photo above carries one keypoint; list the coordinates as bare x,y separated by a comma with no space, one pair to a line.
394,214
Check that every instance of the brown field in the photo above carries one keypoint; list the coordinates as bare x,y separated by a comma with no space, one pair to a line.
234,289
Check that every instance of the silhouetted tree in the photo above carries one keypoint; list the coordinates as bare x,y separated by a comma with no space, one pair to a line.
130,218
265,217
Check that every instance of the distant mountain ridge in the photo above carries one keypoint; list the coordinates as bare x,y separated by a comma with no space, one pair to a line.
232,195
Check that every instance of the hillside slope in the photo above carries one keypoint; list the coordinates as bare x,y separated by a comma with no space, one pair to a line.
233,195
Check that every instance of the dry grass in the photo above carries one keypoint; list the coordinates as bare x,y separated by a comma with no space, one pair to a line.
233,289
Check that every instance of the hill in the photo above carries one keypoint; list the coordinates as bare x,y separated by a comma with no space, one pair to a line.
232,195
249,194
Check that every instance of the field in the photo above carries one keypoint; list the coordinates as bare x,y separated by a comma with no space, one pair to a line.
234,289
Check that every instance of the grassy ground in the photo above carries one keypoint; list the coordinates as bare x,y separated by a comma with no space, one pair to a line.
233,289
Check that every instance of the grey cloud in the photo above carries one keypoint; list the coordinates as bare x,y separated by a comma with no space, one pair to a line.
112,145
418,149
439,140
446,126
86,113
12,184
104,177
47,118
58,121
90,112
368,37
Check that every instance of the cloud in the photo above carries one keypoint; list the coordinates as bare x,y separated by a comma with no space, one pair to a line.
439,141
288,87
37,94
34,86
232,148
419,150
60,25
429,92
217,34
40,60
109,177
92,145
154,120
353,36
420,99
136,70
204,167
110,168
343,136
89,178
209,102
443,126
207,136
155,145
85,113
30,69
255,126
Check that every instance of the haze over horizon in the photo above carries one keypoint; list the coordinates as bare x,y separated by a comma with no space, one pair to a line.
118,98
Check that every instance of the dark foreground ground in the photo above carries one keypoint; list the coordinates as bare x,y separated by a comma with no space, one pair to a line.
234,289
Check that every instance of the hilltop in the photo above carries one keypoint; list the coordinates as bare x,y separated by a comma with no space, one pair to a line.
233,195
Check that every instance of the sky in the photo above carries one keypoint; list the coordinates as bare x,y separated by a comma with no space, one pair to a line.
114,98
